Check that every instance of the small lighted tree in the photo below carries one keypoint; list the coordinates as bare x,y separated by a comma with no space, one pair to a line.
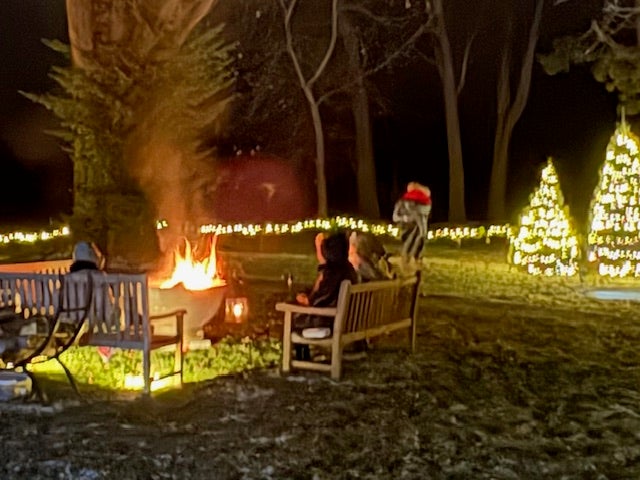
613,241
546,242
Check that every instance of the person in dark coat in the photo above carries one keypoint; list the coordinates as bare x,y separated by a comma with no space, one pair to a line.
333,268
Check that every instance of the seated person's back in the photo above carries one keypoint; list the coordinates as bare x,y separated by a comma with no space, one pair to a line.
368,256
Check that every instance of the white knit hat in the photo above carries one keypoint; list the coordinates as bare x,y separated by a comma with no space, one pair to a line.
85,252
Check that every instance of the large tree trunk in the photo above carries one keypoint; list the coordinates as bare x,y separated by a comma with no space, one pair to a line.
444,59
321,180
101,30
508,115
368,204
365,164
109,207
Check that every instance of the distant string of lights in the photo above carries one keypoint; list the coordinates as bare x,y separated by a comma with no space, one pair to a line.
455,234
32,237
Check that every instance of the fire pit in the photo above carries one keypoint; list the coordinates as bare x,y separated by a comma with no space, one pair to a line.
193,285
201,306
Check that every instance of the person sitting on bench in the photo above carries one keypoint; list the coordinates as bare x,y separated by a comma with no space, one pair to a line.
333,267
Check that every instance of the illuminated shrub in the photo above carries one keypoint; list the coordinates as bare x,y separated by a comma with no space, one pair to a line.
546,242
613,243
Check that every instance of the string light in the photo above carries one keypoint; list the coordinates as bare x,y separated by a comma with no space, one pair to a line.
32,237
613,240
546,242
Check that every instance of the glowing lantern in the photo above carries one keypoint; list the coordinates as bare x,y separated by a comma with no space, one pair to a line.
236,310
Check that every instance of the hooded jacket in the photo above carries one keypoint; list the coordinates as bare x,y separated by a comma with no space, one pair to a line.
337,268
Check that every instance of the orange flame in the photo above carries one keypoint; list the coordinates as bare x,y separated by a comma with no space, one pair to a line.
193,274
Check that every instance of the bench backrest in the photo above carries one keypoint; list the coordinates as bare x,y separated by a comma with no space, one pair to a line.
120,306
30,293
372,304
76,295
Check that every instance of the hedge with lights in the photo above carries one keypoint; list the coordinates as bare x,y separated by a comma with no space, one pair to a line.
613,242
546,242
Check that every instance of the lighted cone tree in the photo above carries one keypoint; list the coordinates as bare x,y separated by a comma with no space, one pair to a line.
613,242
546,242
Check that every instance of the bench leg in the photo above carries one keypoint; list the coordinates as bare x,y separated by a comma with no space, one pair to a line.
178,361
146,370
412,336
286,343
336,360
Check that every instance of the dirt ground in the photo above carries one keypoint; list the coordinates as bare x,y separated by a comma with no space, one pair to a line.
513,378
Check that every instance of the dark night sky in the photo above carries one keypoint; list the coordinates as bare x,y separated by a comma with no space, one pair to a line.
36,179
568,116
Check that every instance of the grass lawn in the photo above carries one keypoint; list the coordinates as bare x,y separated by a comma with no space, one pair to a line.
515,377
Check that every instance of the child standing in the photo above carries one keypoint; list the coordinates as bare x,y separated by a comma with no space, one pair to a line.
411,212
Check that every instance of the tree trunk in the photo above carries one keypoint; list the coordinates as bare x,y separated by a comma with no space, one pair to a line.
100,30
321,181
444,59
368,204
508,115
498,181
365,164
638,23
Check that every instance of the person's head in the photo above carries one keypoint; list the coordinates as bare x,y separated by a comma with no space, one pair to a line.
365,244
335,247
87,253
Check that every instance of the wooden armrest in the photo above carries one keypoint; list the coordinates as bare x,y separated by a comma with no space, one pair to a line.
173,313
294,308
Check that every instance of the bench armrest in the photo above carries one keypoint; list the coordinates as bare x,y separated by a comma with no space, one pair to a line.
174,313
294,308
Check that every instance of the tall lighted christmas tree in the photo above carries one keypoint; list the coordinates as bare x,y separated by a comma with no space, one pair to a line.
546,242
615,218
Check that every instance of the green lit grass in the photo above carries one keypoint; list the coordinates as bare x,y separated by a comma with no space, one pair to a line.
228,356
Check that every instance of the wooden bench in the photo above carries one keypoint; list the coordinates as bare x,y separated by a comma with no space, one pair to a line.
96,308
119,317
363,311
40,316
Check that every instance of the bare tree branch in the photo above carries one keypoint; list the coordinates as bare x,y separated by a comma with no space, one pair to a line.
289,9
465,63
358,8
401,50
332,43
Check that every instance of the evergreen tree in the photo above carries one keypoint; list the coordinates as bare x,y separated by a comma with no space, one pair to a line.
546,243
615,216
111,117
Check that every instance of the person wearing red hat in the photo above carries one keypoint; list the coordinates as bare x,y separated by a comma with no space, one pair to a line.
412,212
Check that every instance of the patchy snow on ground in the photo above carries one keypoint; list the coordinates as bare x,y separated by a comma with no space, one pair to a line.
515,377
